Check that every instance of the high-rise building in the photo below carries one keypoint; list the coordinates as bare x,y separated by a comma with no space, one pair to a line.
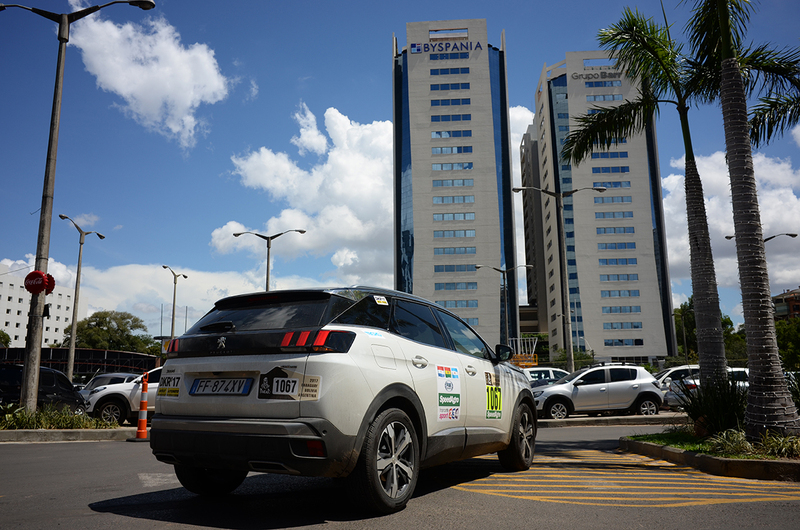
617,302
452,174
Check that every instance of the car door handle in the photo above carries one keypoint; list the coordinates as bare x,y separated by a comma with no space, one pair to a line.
470,370
602,389
419,362
635,386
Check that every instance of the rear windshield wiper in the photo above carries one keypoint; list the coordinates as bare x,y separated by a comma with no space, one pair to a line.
223,325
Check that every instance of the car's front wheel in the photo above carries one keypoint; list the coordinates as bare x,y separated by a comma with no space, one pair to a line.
111,410
558,409
388,466
647,406
209,481
519,454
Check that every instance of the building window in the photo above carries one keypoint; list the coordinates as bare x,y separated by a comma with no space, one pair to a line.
449,102
457,304
605,97
611,169
451,117
456,286
445,56
563,128
605,230
619,277
451,134
454,268
450,86
622,325
469,216
456,150
621,293
457,199
617,261
606,154
613,215
449,71
471,321
453,250
613,200
623,342
601,84
622,309
563,115
453,183
617,246
617,184
453,233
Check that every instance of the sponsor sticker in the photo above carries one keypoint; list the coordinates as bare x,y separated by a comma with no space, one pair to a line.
374,334
448,386
169,386
380,300
285,383
494,397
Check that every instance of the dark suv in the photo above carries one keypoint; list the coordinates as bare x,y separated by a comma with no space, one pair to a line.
54,388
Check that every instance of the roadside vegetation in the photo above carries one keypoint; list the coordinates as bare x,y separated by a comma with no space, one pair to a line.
14,417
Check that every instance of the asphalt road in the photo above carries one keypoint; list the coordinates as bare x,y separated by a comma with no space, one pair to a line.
578,481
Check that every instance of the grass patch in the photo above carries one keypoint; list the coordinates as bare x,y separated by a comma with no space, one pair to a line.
13,417
731,443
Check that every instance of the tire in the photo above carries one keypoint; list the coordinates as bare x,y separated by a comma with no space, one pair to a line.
519,453
558,409
209,481
647,406
387,469
111,410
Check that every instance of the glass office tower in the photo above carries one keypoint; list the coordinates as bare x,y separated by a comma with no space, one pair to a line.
452,174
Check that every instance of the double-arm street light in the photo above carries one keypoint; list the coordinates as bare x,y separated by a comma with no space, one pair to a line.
71,355
504,272
566,318
175,276
33,341
269,239
770,237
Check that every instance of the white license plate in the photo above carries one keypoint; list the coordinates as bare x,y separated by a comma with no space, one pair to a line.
221,387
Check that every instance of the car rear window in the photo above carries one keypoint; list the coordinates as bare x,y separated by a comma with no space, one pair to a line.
271,312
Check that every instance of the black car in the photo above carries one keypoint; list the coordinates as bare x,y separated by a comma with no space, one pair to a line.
54,388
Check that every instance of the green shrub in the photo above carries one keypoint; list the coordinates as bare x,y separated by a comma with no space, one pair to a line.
730,442
780,446
716,407
14,417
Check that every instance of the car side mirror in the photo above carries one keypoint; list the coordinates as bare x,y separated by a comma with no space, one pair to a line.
579,382
503,352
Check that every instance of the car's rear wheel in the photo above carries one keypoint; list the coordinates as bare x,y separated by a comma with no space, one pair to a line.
647,407
209,481
388,466
558,409
519,454
111,410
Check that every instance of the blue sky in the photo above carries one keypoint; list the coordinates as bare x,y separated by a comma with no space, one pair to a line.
184,124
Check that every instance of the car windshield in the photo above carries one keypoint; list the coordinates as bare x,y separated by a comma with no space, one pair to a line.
661,374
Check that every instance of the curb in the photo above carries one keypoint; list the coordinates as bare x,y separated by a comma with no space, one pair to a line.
727,467
665,418
67,435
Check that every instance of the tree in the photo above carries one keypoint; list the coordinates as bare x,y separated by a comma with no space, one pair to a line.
111,330
647,53
5,340
774,116
788,335
715,32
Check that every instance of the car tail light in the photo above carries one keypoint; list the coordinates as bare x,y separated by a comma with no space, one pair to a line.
689,386
323,340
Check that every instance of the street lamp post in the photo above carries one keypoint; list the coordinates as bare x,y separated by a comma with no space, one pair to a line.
683,328
770,237
269,239
71,355
33,340
175,276
559,197
504,272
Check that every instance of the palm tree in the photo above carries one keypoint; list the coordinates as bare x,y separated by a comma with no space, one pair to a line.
715,34
774,116
647,53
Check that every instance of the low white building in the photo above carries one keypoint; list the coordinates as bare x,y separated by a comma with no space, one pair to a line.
15,303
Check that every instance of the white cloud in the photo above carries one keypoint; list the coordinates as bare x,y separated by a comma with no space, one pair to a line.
162,81
796,135
343,201
86,220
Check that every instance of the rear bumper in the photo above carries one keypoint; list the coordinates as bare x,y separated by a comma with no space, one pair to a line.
302,446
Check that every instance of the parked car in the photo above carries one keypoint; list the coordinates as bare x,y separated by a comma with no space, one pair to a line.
106,379
54,388
544,376
121,401
598,389
364,383
675,397
676,373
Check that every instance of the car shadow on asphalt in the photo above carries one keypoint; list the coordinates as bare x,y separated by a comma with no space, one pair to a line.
279,501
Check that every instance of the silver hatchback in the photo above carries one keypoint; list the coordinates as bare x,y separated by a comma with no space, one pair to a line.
597,389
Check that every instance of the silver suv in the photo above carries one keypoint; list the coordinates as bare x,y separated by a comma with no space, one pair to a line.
597,389
362,383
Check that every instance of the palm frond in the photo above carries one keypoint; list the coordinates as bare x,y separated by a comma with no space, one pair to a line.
601,130
705,35
770,70
773,117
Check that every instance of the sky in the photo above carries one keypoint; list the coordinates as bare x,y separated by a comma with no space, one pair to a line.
186,123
